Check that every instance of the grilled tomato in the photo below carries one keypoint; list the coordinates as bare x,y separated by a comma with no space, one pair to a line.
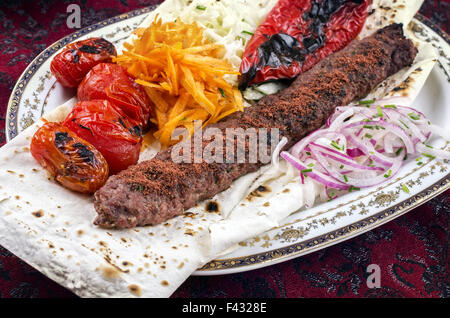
72,161
76,60
109,130
112,82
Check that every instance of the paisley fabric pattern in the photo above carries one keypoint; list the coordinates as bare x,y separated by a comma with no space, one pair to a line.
411,251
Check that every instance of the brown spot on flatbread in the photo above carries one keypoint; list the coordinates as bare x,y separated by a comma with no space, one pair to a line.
80,232
212,207
126,263
109,272
263,189
404,86
108,259
181,265
38,213
189,215
258,192
266,204
286,190
165,283
135,290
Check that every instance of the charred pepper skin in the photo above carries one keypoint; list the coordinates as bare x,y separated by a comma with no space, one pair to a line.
154,191
298,34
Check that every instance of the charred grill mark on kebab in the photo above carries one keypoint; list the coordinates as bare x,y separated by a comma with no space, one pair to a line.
159,189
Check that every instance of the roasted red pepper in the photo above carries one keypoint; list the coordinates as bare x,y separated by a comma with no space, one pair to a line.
297,34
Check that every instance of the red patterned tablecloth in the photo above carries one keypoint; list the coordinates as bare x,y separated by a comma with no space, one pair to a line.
412,251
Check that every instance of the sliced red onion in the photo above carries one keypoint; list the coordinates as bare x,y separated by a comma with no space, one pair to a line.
392,128
321,133
401,119
276,152
328,149
440,153
363,146
346,161
355,152
314,174
339,120
369,151
371,181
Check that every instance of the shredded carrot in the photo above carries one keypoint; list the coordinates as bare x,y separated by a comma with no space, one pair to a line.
183,74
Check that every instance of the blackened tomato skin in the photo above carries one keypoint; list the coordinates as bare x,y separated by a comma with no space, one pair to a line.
72,161
113,83
72,64
109,130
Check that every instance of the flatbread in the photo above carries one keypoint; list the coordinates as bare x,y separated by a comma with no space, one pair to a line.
385,12
51,228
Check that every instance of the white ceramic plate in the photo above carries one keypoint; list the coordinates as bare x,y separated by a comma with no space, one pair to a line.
306,231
